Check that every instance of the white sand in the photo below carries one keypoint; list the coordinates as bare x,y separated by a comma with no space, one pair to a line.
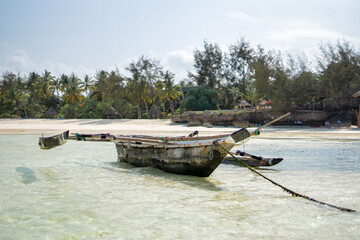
119,126
156,127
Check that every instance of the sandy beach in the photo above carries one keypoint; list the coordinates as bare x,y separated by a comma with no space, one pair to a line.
160,127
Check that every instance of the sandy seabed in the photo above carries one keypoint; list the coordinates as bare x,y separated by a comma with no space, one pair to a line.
160,127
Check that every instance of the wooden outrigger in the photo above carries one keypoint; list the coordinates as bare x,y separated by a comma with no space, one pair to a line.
251,160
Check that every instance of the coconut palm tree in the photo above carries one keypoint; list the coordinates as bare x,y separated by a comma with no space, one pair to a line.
99,90
35,97
12,93
47,84
87,84
73,91
168,91
63,81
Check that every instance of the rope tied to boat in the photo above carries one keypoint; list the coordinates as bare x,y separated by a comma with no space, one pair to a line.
293,193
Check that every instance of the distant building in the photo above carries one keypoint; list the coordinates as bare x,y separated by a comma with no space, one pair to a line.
154,111
111,113
51,113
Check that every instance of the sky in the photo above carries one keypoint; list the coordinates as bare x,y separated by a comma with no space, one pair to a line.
85,36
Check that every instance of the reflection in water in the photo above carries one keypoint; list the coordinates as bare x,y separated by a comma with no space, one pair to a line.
27,175
192,181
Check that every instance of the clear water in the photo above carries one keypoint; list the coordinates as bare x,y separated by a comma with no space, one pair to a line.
79,191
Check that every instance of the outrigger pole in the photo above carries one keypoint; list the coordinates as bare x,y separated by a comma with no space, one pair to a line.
271,122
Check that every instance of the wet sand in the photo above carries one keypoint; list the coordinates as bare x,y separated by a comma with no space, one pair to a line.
159,127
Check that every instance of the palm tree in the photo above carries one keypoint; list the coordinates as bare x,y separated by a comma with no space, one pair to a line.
63,81
87,84
47,83
100,85
56,86
73,91
12,93
36,96
168,91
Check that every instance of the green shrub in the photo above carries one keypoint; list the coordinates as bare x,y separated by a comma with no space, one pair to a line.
200,99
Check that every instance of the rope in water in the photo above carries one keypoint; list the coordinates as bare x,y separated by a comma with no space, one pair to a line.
294,194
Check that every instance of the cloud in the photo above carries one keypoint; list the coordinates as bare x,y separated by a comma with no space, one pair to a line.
303,37
20,62
303,34
240,16
179,62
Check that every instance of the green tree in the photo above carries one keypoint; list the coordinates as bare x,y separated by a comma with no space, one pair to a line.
303,88
237,65
87,84
100,85
261,73
339,69
46,84
200,98
280,93
168,91
141,86
35,99
12,94
208,65
73,91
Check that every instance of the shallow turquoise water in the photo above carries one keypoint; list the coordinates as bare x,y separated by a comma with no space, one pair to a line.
79,191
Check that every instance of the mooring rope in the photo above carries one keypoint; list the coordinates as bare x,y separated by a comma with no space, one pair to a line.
294,194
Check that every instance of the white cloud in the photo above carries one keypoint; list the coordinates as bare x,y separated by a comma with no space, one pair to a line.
304,34
303,37
240,16
179,62
20,62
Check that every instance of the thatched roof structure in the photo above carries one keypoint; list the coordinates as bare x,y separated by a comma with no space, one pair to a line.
51,112
357,94
244,103
112,113
154,110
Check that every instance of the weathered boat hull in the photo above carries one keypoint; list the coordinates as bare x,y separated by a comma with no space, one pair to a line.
53,141
198,161
198,158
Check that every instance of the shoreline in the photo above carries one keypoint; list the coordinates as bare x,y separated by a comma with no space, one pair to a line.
161,127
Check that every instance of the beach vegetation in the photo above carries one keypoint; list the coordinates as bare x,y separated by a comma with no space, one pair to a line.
220,79
201,98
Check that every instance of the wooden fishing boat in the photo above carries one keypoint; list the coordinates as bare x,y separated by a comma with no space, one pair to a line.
197,157
53,141
190,155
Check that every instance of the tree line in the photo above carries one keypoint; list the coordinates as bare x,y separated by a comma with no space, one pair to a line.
222,80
